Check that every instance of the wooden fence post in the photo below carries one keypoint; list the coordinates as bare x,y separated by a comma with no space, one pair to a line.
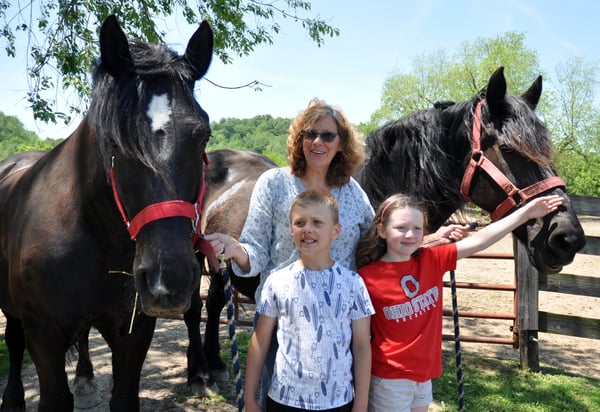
527,307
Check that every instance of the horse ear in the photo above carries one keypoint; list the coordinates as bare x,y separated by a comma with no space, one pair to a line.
496,89
114,48
533,94
199,50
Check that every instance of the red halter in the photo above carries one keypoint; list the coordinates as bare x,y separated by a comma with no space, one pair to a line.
514,196
169,208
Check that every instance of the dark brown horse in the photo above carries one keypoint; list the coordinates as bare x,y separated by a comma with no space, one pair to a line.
492,150
64,247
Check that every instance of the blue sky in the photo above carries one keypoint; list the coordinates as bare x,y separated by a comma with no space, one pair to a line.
349,70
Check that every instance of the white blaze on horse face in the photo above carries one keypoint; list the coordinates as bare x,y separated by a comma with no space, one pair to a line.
159,111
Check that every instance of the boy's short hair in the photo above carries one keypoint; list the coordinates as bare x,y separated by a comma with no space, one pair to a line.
317,197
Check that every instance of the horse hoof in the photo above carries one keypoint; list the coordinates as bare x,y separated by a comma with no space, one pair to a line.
201,390
86,393
220,375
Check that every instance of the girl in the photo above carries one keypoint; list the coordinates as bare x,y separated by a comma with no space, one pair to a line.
404,281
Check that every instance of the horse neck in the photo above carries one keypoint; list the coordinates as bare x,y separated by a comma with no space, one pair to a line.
83,152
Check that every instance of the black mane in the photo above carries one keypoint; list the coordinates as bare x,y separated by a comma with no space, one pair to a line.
424,140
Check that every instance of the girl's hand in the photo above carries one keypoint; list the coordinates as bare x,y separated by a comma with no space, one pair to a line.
542,206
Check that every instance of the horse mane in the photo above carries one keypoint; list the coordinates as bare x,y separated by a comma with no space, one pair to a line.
524,133
422,140
111,97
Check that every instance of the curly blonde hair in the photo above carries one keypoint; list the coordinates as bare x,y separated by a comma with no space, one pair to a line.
371,246
345,162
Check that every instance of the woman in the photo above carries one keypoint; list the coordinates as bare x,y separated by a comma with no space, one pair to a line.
323,151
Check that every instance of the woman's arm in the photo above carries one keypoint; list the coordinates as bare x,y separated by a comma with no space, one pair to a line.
257,353
361,362
492,233
446,234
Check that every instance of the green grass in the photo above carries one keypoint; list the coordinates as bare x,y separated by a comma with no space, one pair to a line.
500,385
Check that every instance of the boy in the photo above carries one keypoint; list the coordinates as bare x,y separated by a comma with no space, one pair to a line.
322,314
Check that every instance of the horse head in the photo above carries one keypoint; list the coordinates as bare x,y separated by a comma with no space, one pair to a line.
152,135
510,163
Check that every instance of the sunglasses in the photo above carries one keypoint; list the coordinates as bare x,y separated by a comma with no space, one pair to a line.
327,137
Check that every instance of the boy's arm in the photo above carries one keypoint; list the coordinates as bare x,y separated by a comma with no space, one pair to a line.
361,362
257,353
492,233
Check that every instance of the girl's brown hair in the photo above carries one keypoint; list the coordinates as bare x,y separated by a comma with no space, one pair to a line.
345,162
372,247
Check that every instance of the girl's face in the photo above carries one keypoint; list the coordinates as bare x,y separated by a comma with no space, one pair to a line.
403,233
318,152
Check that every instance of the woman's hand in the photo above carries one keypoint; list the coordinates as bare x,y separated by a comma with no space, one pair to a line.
226,247
448,234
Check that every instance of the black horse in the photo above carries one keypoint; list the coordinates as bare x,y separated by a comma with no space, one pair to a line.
230,176
492,150
64,248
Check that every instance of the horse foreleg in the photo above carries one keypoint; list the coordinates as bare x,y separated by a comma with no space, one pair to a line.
214,305
13,398
199,379
85,387
48,348
128,355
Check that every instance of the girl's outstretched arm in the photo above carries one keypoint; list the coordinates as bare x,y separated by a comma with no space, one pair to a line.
492,233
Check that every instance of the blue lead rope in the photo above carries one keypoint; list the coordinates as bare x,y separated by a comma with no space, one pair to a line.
235,360
459,371
457,350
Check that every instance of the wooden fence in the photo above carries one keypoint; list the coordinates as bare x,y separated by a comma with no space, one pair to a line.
530,281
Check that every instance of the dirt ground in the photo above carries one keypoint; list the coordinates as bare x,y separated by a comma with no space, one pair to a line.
163,384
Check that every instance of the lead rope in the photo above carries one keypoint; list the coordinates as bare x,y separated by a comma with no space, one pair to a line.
235,360
457,350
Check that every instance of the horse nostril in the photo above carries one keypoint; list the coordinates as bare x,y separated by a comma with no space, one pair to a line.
566,245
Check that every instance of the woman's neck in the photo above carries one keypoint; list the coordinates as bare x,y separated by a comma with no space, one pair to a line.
315,180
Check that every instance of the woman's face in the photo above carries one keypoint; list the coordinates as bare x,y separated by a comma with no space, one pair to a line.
317,150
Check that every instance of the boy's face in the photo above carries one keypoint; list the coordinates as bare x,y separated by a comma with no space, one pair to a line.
313,229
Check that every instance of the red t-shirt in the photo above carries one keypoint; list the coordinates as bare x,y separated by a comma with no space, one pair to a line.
406,330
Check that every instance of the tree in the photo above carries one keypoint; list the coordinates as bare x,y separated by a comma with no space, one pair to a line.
576,126
15,138
262,134
439,76
60,59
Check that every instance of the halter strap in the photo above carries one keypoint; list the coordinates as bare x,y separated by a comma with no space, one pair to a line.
514,196
160,210
169,208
